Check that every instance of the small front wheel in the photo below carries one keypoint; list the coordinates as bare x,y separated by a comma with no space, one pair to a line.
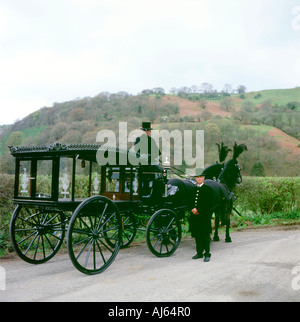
163,233
94,235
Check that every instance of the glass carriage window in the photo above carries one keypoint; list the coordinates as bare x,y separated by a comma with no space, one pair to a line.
24,188
130,180
65,178
82,170
113,179
44,179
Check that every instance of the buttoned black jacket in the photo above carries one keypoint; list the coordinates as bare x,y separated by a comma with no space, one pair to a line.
203,199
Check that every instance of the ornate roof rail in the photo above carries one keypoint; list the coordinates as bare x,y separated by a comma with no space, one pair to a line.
72,148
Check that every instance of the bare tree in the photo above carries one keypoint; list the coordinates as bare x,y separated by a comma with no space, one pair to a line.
206,88
173,90
227,89
241,89
226,104
195,89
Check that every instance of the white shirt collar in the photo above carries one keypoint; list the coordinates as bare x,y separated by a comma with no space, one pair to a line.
200,185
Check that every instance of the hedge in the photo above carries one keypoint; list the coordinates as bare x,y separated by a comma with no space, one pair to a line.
265,195
261,196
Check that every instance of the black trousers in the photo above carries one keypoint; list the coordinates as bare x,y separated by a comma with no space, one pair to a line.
203,244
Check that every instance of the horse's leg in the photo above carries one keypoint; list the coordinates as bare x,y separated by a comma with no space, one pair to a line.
228,238
217,220
228,213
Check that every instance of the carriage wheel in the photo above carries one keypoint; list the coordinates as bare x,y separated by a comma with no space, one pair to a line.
94,227
36,234
163,233
128,230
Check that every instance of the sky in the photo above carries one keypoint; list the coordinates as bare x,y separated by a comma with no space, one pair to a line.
59,50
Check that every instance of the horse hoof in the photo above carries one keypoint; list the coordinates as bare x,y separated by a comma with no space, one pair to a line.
216,238
228,240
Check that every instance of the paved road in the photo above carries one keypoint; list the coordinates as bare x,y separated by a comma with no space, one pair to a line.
257,266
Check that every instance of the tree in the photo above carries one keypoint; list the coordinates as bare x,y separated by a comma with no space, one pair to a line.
202,103
258,170
72,137
158,91
227,90
77,114
205,115
183,91
293,105
16,138
195,89
226,104
146,92
212,133
58,131
173,90
241,89
206,88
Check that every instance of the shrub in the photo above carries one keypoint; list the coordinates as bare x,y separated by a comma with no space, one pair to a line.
258,169
268,195
6,209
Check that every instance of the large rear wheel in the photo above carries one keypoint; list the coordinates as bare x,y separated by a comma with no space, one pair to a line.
94,235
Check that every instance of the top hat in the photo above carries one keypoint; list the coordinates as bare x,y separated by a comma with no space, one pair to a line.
199,173
146,126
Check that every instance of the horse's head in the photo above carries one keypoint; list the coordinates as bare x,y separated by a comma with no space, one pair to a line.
231,174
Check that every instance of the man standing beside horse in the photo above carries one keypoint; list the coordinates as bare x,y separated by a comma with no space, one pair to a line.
201,205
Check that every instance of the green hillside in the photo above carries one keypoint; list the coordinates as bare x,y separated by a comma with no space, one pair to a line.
275,96
267,121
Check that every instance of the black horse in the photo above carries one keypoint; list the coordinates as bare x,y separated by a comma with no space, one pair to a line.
229,176
216,172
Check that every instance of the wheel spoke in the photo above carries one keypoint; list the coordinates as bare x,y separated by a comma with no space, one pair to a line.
83,249
36,235
88,254
100,251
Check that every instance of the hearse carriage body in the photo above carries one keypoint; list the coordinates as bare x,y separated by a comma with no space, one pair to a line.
64,192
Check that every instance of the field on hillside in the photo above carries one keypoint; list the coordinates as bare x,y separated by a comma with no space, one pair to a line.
267,121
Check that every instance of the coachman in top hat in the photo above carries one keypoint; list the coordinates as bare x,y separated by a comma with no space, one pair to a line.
146,144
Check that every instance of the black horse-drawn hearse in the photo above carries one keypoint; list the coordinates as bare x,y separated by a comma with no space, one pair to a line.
61,190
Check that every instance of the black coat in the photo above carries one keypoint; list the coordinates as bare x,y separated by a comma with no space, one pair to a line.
203,199
147,145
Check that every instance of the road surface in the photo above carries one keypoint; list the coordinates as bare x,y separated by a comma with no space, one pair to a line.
259,265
